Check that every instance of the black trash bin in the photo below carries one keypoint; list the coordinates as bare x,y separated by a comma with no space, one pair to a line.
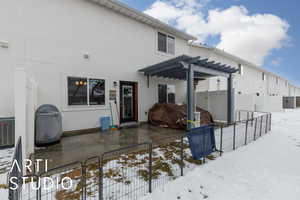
48,125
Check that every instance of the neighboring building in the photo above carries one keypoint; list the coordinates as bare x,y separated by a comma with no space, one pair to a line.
81,53
266,83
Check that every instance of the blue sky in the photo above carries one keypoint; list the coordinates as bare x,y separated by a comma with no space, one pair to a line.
283,60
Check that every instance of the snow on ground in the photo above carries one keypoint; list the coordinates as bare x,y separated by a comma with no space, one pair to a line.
266,169
5,163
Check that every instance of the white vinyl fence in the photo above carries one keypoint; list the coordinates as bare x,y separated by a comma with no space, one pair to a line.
25,90
216,103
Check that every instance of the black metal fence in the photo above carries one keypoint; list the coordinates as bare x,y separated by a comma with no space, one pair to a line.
16,173
7,132
133,171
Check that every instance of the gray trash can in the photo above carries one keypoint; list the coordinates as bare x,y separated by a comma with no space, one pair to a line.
48,125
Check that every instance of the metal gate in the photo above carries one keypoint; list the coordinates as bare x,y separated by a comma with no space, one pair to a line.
7,132
16,173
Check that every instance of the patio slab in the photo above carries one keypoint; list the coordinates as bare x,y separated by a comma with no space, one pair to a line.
81,147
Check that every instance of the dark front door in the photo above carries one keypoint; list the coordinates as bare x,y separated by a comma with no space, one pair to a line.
128,101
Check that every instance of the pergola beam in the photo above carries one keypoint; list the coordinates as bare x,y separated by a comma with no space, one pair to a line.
163,69
210,71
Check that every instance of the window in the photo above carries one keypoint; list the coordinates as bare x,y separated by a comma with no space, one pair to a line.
166,93
240,69
162,42
263,76
166,43
171,45
277,80
97,91
84,91
77,91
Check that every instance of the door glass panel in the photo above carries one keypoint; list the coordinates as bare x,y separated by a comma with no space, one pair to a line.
127,101
171,93
162,93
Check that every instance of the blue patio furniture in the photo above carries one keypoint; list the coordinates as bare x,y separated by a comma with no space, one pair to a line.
202,141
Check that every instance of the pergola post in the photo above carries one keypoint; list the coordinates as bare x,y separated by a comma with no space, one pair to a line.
230,98
190,97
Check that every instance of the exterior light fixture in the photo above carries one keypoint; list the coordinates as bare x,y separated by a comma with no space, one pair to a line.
86,56
115,84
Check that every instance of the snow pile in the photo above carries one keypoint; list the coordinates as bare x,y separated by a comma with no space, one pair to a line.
266,169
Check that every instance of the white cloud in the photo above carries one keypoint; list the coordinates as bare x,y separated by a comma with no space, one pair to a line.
248,36
163,11
276,62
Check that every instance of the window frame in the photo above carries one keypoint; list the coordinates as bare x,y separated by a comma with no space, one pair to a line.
167,44
88,105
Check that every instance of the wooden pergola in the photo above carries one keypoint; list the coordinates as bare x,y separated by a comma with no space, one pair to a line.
190,68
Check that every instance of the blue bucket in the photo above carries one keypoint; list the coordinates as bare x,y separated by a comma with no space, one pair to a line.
104,123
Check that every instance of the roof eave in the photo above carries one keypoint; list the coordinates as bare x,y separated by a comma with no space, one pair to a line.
123,9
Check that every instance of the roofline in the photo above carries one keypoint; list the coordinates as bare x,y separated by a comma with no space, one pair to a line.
135,14
239,60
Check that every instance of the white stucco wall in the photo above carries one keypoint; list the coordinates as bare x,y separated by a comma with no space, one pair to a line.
49,39
244,102
250,82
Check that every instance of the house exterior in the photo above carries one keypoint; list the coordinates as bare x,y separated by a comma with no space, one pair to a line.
66,44
84,54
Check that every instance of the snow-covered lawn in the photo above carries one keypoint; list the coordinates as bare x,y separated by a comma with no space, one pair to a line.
5,163
266,169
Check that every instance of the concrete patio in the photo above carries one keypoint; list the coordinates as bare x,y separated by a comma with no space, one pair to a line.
81,147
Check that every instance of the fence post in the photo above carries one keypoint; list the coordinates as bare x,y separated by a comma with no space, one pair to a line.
38,195
221,140
234,125
266,129
101,179
252,118
247,115
150,167
255,125
261,119
270,122
246,132
181,157
239,115
83,171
